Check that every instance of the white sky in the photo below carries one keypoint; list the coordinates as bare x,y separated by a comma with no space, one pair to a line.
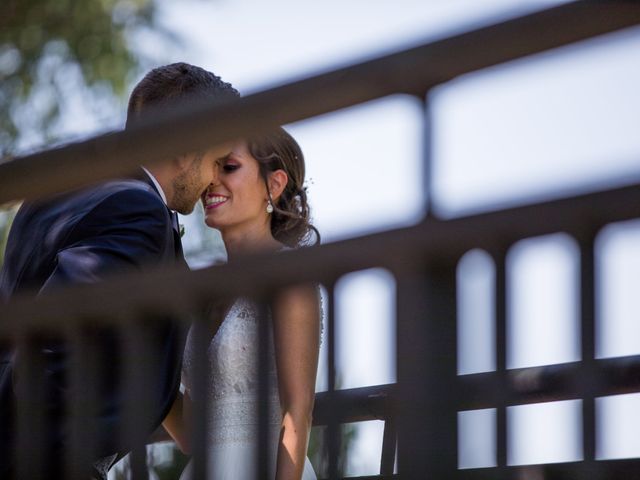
565,121
516,133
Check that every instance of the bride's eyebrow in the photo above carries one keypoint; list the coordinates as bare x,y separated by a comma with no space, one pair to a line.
234,156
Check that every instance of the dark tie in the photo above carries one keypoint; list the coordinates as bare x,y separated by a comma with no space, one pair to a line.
176,235
174,221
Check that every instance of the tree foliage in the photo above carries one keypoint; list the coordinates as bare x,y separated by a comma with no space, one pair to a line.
52,50
48,47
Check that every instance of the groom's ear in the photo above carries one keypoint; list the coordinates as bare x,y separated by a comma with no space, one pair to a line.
277,182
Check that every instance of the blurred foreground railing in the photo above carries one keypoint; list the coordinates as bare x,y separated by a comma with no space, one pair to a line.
421,409
407,253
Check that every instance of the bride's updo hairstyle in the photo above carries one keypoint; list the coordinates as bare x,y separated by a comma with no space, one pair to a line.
290,220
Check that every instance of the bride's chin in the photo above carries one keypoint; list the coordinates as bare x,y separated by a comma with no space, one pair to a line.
209,223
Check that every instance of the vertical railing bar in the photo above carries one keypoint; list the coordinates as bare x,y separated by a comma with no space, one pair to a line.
200,338
387,460
333,428
588,352
410,465
30,431
331,340
427,166
427,155
501,299
262,405
427,374
138,463
7,400
81,402
136,396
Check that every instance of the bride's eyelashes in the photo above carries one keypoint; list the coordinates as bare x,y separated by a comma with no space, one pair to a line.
230,167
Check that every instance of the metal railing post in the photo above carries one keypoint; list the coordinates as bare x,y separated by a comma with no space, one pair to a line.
426,336
333,437
86,368
32,452
501,299
200,336
589,380
263,460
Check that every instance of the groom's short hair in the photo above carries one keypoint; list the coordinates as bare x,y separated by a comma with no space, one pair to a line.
170,84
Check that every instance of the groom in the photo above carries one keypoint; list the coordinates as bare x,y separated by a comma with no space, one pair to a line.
84,236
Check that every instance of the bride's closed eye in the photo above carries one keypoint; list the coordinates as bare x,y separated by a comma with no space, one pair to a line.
230,167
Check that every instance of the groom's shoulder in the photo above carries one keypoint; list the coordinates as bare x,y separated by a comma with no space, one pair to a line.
107,198
119,201
122,189
127,194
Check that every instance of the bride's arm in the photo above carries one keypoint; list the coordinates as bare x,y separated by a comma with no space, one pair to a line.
296,326
175,422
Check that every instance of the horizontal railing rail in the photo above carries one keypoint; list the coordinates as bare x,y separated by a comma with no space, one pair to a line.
432,238
549,383
413,71
163,292
421,408
355,404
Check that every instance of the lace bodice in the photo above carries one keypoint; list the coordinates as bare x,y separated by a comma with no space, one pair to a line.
232,396
233,387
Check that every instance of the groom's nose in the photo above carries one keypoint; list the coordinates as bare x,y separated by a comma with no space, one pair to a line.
215,169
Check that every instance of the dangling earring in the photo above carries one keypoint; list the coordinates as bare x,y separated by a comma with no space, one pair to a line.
269,206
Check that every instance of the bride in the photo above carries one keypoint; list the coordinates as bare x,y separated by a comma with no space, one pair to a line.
259,204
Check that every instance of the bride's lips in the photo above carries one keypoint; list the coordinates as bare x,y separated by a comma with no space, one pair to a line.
213,200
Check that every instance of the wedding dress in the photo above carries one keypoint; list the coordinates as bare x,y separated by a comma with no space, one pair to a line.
232,396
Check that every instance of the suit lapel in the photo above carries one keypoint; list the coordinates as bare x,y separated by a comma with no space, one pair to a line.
173,217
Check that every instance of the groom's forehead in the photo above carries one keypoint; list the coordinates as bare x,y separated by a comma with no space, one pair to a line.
221,153
222,159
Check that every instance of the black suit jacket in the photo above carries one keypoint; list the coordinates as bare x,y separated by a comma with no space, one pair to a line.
77,238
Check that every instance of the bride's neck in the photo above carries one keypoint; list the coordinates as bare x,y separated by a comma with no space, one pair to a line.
240,242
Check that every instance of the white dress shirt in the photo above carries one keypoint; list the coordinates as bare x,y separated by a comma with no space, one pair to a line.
157,185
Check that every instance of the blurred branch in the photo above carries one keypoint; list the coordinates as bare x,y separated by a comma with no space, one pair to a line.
49,47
